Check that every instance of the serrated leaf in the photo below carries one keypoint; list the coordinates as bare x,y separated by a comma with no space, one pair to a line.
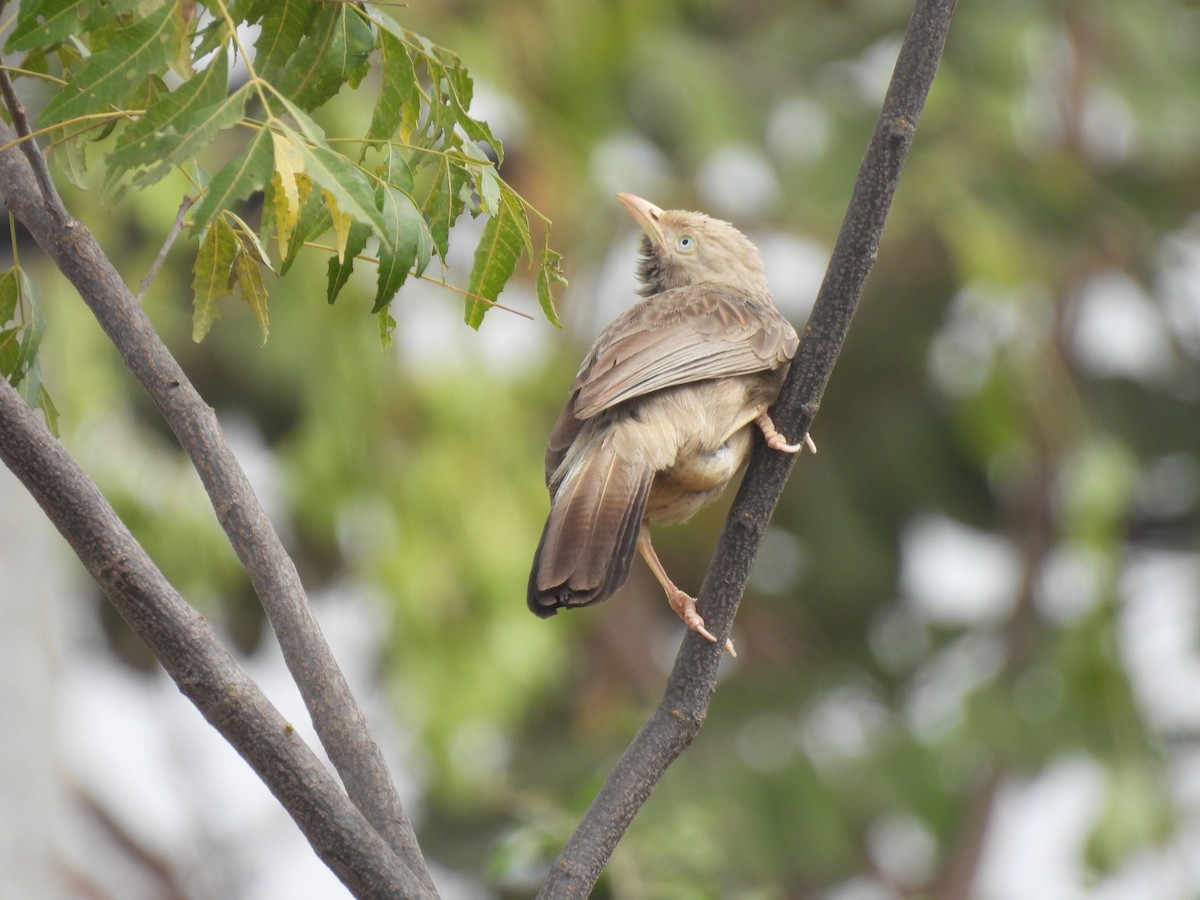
503,241
284,25
549,272
460,89
48,22
405,243
386,326
10,294
196,133
291,187
338,177
314,220
341,224
251,246
253,290
408,245
308,126
439,197
212,276
135,51
10,350
398,94
340,268
239,178
334,52
49,410
211,36
175,118
19,303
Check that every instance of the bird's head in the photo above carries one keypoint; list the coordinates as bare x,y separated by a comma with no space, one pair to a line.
682,248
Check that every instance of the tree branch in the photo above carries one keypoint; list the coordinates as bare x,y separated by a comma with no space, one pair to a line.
339,721
690,686
192,654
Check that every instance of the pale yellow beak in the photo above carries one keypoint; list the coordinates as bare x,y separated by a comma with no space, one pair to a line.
645,213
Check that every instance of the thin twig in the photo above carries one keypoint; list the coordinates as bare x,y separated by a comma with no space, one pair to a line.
172,236
29,147
677,719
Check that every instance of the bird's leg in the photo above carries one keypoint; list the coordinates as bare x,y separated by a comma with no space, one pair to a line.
777,441
683,603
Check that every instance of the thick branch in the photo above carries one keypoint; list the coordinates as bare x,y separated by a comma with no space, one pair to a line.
195,658
684,705
338,720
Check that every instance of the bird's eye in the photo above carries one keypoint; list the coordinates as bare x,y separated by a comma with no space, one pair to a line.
686,242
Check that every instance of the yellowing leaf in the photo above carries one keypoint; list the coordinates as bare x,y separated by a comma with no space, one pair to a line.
341,224
254,292
288,166
212,276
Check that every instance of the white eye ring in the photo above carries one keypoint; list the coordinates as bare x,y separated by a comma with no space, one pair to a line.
686,242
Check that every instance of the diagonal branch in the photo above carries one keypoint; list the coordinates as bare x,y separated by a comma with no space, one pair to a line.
336,715
197,661
676,720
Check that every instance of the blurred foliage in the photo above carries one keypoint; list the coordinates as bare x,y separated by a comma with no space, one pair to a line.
956,597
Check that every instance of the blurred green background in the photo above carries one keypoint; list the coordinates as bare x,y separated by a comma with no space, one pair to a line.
968,657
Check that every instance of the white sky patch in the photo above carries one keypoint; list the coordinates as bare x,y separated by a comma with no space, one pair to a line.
1034,846
1118,331
1159,623
737,182
956,575
798,131
795,267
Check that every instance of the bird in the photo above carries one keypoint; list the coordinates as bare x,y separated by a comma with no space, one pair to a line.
661,414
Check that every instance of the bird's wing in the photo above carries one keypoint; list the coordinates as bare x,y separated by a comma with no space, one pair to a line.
677,337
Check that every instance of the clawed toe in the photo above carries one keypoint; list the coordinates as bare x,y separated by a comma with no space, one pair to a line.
685,607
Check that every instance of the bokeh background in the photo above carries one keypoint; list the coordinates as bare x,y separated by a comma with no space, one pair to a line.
968,657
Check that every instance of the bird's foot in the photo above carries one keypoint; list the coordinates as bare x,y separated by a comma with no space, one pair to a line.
684,605
777,441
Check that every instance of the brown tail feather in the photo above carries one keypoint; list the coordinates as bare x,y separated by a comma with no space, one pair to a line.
590,537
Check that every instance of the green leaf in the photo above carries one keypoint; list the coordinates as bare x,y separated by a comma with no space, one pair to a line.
10,293
460,89
49,410
135,52
386,326
212,276
439,197
550,272
333,53
407,245
399,98
168,121
504,238
284,25
10,350
48,22
341,267
239,178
